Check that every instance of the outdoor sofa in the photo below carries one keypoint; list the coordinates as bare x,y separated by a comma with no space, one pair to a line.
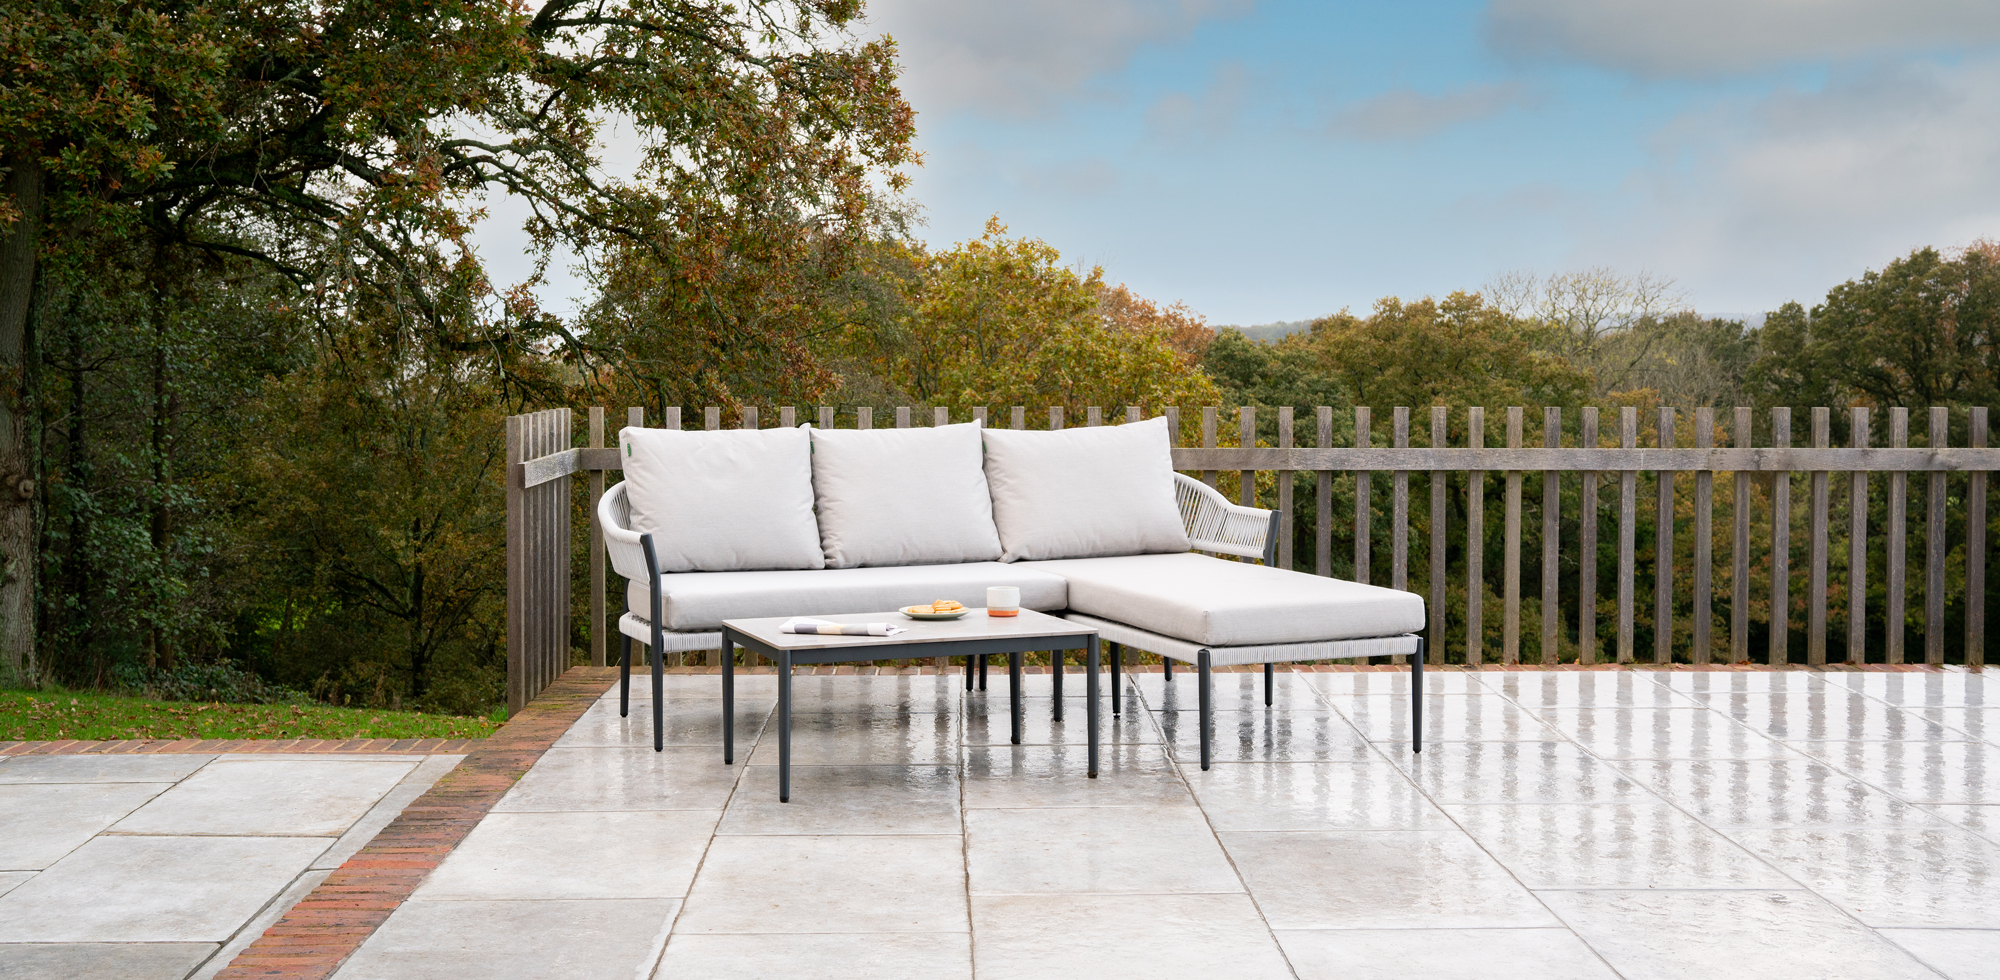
1091,524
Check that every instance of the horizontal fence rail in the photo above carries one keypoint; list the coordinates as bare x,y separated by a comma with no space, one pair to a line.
1660,498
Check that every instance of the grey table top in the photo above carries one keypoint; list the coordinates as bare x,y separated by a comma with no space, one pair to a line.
975,625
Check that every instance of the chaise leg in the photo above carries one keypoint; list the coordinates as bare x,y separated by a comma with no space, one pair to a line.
1090,685
1117,662
624,676
1202,673
728,698
1270,673
1417,697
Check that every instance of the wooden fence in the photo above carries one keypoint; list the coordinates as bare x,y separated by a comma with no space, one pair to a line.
1574,462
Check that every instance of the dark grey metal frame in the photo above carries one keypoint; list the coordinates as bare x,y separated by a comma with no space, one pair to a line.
980,647
653,649
1205,685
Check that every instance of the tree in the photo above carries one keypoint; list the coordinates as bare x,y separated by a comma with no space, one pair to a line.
1460,351
1925,330
1587,305
346,146
1000,321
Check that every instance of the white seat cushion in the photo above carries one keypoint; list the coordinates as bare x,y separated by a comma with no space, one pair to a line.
1214,602
1268,653
702,600
902,496
724,500
1083,493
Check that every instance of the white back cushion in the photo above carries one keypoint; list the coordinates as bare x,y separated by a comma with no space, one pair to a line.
1084,493
727,500
902,496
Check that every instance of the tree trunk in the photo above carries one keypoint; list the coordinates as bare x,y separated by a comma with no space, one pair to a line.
19,250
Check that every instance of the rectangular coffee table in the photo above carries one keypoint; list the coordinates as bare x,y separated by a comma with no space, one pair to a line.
974,635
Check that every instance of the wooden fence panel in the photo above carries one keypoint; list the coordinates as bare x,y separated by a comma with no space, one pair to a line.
542,463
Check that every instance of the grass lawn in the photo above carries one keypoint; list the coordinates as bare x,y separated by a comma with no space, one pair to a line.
37,716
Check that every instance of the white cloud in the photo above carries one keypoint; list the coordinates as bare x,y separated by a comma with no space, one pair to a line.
1020,58
1702,37
1209,114
1784,196
1407,114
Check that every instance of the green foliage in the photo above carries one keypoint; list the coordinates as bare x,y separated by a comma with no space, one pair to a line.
59,715
1000,321
222,683
1925,330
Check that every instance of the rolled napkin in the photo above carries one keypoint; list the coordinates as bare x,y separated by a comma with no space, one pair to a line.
802,624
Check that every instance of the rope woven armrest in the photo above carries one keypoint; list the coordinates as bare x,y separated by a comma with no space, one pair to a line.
1216,525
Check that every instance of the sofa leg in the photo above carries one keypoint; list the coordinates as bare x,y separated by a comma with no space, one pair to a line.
1056,679
1270,677
1168,664
1417,697
1202,685
624,675
659,693
1117,663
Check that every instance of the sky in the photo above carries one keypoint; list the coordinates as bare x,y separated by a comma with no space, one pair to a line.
1265,160
1270,160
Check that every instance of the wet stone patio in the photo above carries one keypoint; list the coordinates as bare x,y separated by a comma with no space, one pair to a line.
1578,824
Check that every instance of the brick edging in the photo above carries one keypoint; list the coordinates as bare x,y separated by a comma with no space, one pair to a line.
165,746
315,936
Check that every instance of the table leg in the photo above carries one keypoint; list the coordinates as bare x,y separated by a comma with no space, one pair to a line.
1056,667
982,672
1090,684
728,698
784,726
1014,693
968,673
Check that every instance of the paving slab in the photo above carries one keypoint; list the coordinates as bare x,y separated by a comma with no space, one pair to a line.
1662,733
1513,772
1934,878
987,723
624,778
870,737
1055,776
1961,954
385,810
1305,734
1611,845
819,955
1587,689
41,822
10,880
1742,935
168,889
1380,879
102,961
517,940
101,768
1101,850
1442,954
836,883
1447,718
1367,795
1120,937
1783,792
1918,772
248,796
846,800
687,722
582,855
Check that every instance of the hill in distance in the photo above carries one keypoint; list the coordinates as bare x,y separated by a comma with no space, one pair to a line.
1269,333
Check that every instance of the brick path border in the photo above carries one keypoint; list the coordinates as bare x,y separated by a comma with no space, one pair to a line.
328,925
